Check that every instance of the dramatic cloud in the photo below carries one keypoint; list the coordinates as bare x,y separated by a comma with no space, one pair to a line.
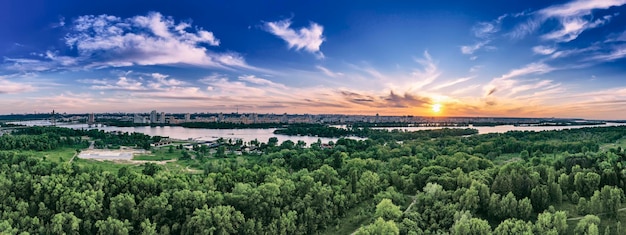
153,39
573,19
309,39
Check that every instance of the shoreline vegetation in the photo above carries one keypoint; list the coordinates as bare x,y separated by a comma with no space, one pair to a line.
399,182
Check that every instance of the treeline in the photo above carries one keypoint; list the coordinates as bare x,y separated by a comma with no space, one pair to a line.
318,130
291,189
321,130
48,138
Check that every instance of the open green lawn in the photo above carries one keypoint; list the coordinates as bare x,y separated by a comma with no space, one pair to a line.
104,165
57,155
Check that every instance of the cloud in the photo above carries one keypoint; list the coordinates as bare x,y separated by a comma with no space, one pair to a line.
425,76
506,83
390,100
309,39
328,72
260,81
573,18
543,50
156,82
616,53
468,50
452,83
9,87
572,27
153,39
533,68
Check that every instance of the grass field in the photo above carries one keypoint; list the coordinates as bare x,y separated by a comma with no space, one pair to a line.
58,155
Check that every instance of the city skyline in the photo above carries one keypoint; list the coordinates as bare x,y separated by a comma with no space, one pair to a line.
449,58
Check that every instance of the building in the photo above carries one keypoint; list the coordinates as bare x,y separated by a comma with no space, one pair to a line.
162,117
187,117
139,119
153,116
91,119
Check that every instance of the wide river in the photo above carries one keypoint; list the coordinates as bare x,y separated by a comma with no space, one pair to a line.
263,135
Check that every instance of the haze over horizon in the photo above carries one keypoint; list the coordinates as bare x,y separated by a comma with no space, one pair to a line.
443,58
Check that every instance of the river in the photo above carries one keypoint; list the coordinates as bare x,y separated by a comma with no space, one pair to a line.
263,135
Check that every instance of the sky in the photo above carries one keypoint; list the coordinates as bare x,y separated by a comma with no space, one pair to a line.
423,58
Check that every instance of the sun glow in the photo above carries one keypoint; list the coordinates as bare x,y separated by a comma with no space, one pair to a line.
436,108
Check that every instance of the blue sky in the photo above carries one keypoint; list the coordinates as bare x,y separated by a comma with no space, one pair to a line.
471,58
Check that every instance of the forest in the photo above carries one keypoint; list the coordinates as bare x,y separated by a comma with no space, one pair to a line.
448,181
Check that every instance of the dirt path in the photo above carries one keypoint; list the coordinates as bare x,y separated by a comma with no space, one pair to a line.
580,217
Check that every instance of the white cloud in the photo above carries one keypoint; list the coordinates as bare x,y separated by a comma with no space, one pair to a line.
533,68
328,72
261,81
580,7
309,39
145,40
543,50
452,83
10,87
425,76
616,53
506,83
573,17
468,50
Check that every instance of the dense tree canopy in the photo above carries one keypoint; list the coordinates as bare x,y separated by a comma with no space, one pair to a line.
394,182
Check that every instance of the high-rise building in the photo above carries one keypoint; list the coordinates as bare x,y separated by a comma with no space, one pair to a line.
187,117
162,118
91,119
153,116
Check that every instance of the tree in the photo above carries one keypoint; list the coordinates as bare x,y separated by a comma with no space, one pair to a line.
148,228
540,198
555,223
470,226
387,210
113,226
150,169
470,200
586,183
65,223
215,220
582,208
584,226
514,227
380,226
611,199
123,207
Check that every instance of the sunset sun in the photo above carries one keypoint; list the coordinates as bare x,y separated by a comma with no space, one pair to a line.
436,108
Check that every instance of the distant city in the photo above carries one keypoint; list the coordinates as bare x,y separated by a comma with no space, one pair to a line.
161,118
